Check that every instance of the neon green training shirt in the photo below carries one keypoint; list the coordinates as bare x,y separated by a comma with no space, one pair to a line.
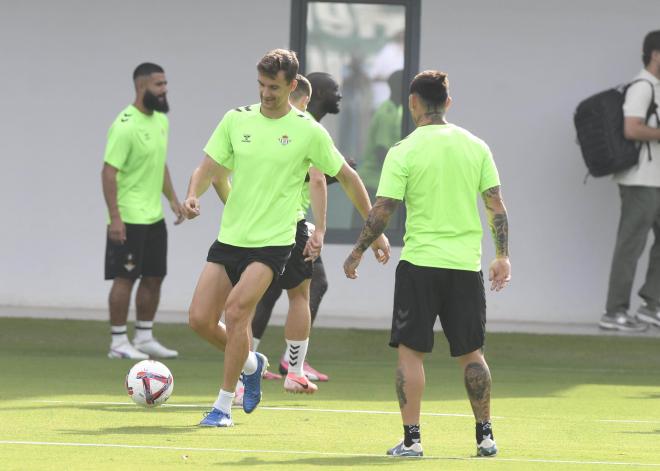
269,159
384,131
440,171
137,148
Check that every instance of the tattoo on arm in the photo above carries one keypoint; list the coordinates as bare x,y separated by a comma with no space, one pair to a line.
477,384
400,383
377,221
497,220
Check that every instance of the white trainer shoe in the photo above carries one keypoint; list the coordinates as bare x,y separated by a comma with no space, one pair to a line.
126,350
154,349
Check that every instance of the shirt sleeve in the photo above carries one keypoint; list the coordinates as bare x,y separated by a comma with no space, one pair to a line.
118,147
323,153
219,146
489,176
638,99
394,176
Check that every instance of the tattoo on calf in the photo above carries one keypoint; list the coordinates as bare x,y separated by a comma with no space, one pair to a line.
400,382
477,384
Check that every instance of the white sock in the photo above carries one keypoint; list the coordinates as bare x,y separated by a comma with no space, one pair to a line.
143,331
223,402
119,336
255,343
296,351
250,365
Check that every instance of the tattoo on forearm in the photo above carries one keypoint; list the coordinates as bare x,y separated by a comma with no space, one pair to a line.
376,223
497,220
477,384
400,383
499,227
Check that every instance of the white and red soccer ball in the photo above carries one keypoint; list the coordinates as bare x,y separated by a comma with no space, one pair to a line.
149,383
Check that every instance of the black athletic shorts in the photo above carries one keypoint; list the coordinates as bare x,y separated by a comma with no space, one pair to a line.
236,259
423,293
144,253
297,269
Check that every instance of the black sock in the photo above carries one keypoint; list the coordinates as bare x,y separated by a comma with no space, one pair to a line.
411,435
484,429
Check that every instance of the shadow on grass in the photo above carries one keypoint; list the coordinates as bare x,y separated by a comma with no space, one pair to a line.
132,430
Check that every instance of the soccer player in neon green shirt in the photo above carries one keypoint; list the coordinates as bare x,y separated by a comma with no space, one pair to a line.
321,94
135,176
268,149
439,170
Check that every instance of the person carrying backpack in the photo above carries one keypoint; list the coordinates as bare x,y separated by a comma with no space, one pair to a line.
639,187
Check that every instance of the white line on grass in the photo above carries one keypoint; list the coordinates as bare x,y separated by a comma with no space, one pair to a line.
305,409
320,453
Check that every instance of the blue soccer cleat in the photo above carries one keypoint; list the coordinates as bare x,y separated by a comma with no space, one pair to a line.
216,418
252,384
402,450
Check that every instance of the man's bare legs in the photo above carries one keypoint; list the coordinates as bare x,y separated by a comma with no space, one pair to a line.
478,384
296,333
119,300
239,308
207,305
299,317
410,381
148,297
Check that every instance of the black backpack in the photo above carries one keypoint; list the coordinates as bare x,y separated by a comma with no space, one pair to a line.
599,124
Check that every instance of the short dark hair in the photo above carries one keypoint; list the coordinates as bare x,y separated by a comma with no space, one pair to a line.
279,59
432,87
651,43
304,88
146,69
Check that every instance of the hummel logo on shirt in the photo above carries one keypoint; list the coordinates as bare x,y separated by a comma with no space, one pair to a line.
246,138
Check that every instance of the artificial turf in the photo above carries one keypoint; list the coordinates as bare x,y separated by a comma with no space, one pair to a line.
558,402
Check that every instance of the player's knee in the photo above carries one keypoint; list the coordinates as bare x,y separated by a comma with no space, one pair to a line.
237,314
197,321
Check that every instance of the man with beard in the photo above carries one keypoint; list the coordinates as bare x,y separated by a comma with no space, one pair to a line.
317,95
134,176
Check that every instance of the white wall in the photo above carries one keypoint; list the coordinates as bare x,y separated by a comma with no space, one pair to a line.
517,70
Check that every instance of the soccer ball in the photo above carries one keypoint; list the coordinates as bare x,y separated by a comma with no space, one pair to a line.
149,383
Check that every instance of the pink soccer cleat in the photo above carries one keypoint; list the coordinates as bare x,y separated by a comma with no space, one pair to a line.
271,376
299,384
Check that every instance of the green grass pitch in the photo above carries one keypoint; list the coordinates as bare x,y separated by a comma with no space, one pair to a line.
559,403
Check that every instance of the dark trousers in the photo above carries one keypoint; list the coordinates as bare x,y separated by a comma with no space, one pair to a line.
640,213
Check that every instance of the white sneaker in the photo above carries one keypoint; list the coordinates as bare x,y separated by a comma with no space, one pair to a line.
154,349
126,350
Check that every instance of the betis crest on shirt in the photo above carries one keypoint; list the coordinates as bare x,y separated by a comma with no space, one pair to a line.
284,140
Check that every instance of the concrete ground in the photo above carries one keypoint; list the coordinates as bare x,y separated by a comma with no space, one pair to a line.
333,322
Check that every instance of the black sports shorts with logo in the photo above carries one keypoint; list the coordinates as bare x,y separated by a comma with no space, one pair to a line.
144,253
423,293
236,259
297,269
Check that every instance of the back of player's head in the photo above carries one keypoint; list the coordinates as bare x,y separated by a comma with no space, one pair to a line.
304,88
651,43
276,60
146,69
432,87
